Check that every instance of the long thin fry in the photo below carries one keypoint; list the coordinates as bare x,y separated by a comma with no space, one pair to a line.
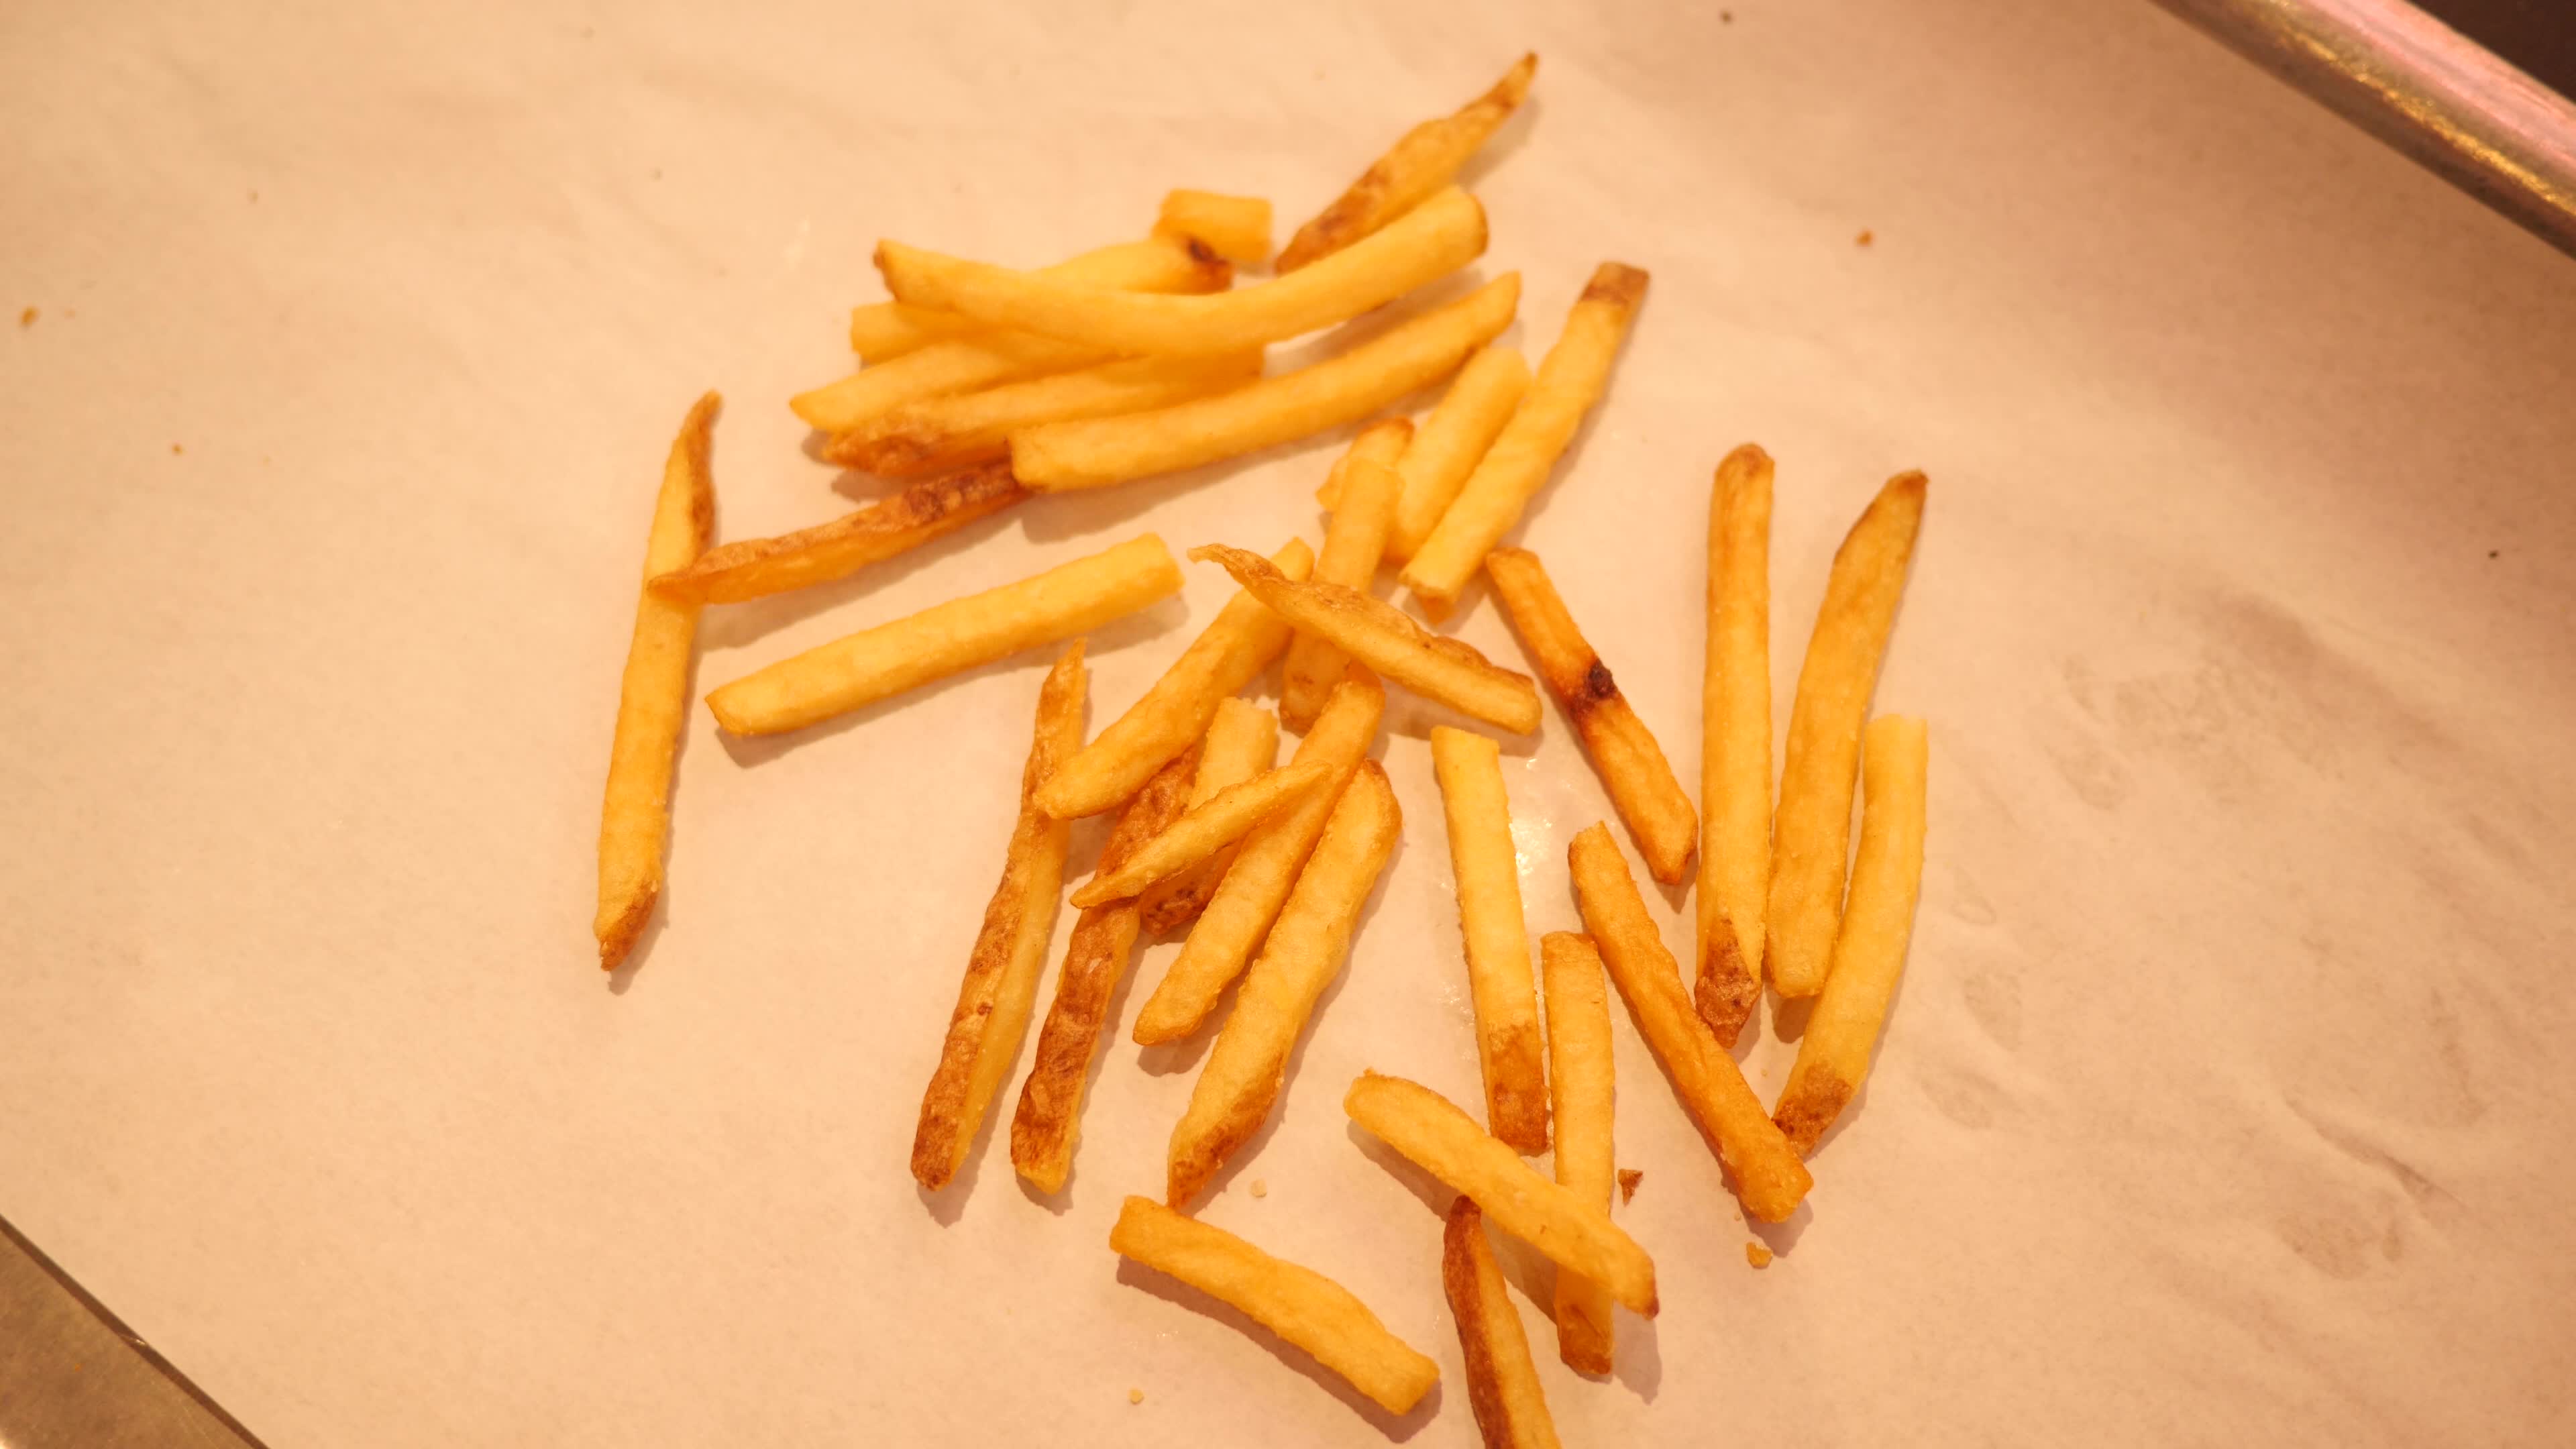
1580,1077
960,364
937,434
882,331
1001,985
1811,832
1735,745
1453,441
1769,1178
1202,832
1241,742
1869,954
1502,1383
1417,165
1236,228
860,668
756,567
1353,543
653,696
1486,868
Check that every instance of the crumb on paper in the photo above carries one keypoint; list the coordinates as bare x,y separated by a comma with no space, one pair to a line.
1260,1188
1726,17
1629,1177
1757,1255
176,449
1135,1396
1865,238
28,319
31,312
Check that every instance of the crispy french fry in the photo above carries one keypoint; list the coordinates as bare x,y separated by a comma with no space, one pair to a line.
1415,167
1640,782
1001,985
1202,832
1481,859
1502,1383
1382,441
1811,831
1299,1304
1735,746
1236,228
1241,742
1173,714
1450,445
860,668
1430,1130
1353,543
1054,457
1379,635
937,434
1266,866
1769,1178
1869,954
1049,1121
1442,235
653,696
1580,1077
960,364
881,331
1248,1065
756,567
1570,380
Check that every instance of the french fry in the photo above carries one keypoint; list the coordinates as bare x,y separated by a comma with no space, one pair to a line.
1172,715
1248,1065
1300,1305
1570,380
1811,831
1353,543
1001,985
756,567
937,434
1380,442
1869,954
960,364
1440,236
1049,1121
1368,378
1236,228
1580,1079
1436,1136
1640,782
944,639
1380,636
1502,1383
653,696
1241,742
1266,866
881,331
1481,859
1202,832
1453,441
1769,1178
1421,163
1735,746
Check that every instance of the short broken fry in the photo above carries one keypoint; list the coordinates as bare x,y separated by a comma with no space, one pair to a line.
1450,444
757,567
881,331
1735,746
1202,832
1420,163
1580,1077
1241,742
1487,871
938,434
1502,1383
1353,542
1236,228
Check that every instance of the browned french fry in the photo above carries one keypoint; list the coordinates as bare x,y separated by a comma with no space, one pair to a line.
1241,742
1001,985
753,568
1450,445
1502,1383
882,331
1236,228
1735,745
1049,1120
938,434
1415,167
1202,832
1579,1079
1353,542
1487,871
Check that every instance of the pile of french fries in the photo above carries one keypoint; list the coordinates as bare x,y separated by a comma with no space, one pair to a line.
984,387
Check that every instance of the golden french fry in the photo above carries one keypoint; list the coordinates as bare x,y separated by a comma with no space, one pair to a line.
1241,742
1450,445
1175,712
1382,441
1379,635
1570,380
1299,1304
881,331
945,639
1248,1065
1869,954
1640,781
653,696
1416,166
1001,985
1735,745
1481,858
1266,864
756,567
1580,1078
936,434
1049,1120
961,364
1236,228
1202,832
1353,542
1502,1383
1769,1178
1054,457
1436,1136
1811,831
1442,235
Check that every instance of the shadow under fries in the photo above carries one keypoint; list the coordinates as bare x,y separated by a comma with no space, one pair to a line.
1636,1358
622,980
1436,1195
730,626
1503,145
1396,1427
